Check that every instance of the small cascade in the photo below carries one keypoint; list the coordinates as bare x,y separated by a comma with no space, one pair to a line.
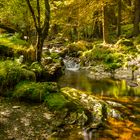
71,64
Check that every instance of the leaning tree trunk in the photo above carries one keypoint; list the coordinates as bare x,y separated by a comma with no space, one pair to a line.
105,24
136,18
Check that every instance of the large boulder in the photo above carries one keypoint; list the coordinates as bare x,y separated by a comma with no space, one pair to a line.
95,110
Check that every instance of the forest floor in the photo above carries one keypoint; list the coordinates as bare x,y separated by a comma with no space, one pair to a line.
23,121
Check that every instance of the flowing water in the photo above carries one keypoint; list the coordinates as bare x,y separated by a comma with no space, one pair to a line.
120,91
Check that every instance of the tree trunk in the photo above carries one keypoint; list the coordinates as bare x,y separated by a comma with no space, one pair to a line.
136,17
39,47
41,29
105,24
119,18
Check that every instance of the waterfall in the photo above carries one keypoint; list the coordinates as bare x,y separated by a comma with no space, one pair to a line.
71,64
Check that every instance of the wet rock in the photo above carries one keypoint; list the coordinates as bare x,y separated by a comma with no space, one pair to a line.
16,107
95,111
114,104
46,61
54,70
98,72
123,73
5,113
47,116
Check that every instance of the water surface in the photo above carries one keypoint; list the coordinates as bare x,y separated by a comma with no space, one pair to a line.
120,91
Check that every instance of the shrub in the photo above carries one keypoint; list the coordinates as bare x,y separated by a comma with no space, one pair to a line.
5,51
12,73
13,46
114,58
126,46
38,69
16,39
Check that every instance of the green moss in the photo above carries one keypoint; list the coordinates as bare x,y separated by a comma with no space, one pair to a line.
96,54
34,91
126,46
56,101
54,55
114,58
13,46
16,39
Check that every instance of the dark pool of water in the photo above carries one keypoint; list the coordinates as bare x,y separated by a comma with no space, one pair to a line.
106,87
117,90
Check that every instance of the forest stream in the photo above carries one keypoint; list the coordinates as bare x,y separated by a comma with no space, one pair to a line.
31,121
120,92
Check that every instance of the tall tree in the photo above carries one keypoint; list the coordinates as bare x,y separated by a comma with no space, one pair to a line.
105,23
41,26
119,18
136,17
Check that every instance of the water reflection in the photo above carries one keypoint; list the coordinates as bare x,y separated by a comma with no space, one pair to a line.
105,87
110,90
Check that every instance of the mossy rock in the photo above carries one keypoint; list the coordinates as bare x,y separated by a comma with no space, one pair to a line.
94,108
56,101
125,42
33,91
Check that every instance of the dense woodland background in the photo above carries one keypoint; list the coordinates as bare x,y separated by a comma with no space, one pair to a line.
71,19
50,47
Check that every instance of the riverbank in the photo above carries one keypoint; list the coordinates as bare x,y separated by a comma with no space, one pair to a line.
28,121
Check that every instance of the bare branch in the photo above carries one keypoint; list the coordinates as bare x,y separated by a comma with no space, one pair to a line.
38,10
32,12
47,18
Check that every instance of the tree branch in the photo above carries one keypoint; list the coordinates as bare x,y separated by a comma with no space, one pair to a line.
33,14
47,19
38,10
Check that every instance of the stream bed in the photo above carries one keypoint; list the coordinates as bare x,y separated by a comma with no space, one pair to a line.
126,93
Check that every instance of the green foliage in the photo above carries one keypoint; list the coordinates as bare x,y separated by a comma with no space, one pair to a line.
125,42
79,46
112,66
16,39
96,54
12,73
12,39
126,46
127,29
5,51
13,46
54,55
114,58
137,40
36,67
56,101
34,91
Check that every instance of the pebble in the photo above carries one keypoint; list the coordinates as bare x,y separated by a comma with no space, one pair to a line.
16,107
